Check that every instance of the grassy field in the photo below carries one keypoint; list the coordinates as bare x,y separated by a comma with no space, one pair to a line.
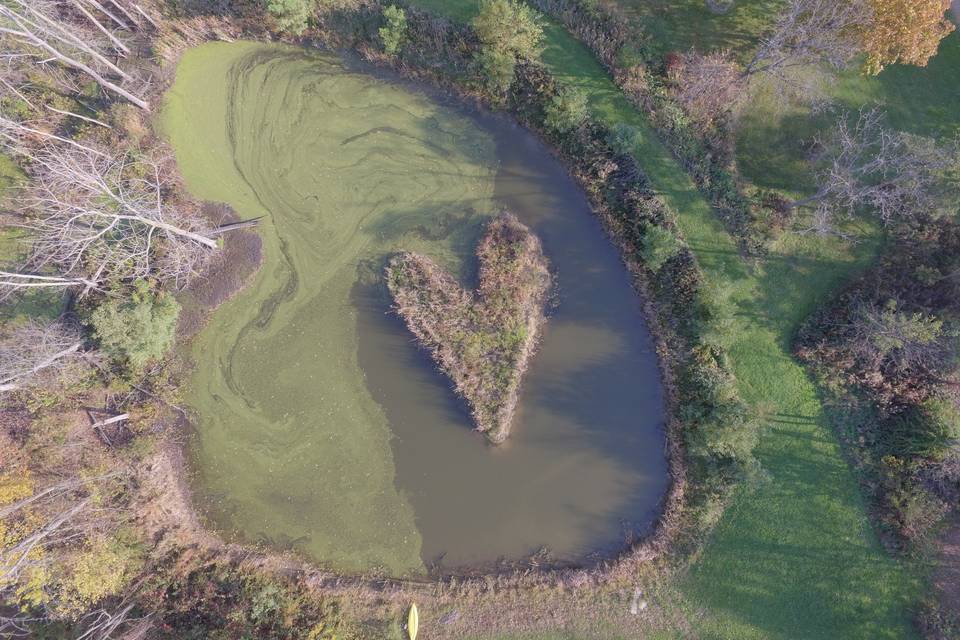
795,555
681,25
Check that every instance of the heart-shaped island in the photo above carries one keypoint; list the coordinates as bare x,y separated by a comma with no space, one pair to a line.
482,340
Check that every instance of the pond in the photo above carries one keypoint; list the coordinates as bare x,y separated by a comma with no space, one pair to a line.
321,427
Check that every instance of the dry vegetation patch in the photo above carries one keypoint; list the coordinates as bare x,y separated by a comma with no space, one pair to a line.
482,340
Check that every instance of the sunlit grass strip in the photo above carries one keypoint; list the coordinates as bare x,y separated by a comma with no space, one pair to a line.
793,556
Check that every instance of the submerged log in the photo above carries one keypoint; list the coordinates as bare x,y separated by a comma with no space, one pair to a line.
482,340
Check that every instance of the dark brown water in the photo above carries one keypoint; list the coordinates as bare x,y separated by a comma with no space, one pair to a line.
584,468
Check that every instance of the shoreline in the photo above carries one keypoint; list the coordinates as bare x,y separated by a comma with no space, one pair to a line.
648,552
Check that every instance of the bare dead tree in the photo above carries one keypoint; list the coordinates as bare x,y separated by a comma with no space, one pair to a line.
102,623
95,216
39,28
15,557
868,167
32,348
56,490
707,86
18,137
809,33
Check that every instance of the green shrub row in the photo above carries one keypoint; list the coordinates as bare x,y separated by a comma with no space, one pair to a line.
887,346
708,156
716,427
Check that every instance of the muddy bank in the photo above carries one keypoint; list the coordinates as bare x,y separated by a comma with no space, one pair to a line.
225,275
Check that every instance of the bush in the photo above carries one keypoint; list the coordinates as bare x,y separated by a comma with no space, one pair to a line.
225,603
927,430
497,69
138,329
291,15
659,245
395,31
567,110
624,138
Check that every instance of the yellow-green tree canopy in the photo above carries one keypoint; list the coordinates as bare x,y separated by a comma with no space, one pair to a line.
905,31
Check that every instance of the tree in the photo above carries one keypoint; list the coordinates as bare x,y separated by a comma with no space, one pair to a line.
292,15
32,349
566,110
659,245
395,31
809,33
136,329
904,31
508,30
41,30
707,86
890,338
891,174
498,68
97,216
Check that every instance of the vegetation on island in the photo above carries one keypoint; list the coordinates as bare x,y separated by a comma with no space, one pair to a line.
481,340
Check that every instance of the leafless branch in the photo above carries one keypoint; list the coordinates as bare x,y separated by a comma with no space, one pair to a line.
809,33
95,216
33,347
14,557
78,116
38,27
868,167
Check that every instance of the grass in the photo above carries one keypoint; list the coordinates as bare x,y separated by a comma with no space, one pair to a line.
681,25
795,555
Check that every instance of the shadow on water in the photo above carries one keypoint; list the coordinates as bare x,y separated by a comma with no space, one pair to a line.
584,468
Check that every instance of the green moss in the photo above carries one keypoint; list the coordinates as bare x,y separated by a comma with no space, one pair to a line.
342,184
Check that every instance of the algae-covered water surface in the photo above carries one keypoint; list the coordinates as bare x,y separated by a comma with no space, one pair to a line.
320,425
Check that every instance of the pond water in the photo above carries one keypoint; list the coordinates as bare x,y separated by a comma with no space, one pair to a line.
321,427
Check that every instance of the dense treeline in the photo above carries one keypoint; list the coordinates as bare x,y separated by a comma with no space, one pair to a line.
103,238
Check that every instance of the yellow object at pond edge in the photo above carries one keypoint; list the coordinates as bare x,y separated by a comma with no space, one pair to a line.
413,621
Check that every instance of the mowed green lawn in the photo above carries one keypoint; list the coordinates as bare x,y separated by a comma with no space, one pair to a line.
795,555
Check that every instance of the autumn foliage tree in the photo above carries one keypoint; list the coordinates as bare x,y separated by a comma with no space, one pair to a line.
813,34
904,31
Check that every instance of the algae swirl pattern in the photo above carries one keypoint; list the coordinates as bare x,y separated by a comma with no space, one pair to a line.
292,450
